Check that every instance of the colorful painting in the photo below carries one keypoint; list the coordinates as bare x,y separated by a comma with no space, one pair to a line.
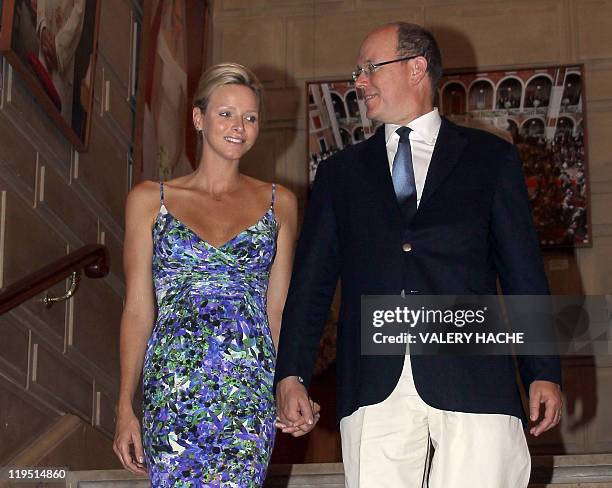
51,44
336,118
543,112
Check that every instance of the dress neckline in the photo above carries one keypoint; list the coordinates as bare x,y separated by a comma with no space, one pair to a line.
207,242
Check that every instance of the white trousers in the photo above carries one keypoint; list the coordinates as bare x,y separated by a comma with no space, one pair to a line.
387,445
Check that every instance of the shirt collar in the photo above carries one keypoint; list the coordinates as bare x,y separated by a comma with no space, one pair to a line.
426,127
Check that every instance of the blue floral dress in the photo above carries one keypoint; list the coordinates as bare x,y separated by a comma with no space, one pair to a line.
208,405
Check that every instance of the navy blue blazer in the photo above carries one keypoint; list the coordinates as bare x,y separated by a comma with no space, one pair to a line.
473,225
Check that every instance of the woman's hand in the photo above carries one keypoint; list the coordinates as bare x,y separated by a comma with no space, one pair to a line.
298,429
128,442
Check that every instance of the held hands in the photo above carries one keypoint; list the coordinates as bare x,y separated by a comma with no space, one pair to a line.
128,444
549,394
297,413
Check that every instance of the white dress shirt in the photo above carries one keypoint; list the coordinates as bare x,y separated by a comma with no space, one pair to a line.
422,141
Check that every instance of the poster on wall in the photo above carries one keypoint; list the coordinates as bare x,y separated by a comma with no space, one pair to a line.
51,45
540,110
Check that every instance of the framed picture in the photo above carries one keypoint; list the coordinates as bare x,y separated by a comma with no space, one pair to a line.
52,45
541,110
336,118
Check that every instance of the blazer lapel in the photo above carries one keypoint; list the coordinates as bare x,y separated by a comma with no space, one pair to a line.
448,148
374,158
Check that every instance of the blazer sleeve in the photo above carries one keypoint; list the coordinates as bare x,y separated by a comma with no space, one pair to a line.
517,257
313,282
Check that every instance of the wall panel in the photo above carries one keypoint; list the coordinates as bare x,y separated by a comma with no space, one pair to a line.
86,449
97,313
103,169
61,198
336,48
53,377
233,5
281,104
54,317
258,43
114,247
594,36
105,412
300,49
261,160
292,170
30,243
599,82
14,350
17,156
596,267
599,126
36,127
112,100
115,38
486,34
600,429
20,421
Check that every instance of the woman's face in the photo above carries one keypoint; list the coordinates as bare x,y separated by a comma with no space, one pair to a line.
230,124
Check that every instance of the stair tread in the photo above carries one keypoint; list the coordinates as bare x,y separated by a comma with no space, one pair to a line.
564,471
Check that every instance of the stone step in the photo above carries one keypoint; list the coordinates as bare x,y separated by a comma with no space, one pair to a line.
566,471
583,470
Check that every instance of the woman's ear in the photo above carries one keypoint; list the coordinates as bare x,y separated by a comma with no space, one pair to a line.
197,118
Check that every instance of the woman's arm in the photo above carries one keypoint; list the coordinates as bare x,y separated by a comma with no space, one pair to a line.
285,209
136,320
280,276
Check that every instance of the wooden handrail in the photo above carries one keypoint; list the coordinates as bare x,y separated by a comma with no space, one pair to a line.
93,258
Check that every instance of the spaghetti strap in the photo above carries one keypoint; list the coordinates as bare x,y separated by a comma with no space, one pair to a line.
273,195
161,192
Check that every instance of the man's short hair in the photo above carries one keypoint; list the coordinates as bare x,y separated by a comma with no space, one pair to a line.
414,39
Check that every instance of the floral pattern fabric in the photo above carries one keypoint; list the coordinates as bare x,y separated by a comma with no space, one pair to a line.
208,405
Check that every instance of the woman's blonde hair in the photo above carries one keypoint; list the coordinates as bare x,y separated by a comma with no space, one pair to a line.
219,75
226,74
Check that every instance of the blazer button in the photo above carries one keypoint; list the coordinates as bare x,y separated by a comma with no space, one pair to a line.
406,247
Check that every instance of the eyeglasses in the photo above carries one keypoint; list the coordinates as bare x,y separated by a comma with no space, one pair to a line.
370,68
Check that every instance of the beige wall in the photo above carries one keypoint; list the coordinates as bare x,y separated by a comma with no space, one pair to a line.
288,42
54,200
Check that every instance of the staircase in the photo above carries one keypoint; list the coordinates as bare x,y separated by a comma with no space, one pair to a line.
567,471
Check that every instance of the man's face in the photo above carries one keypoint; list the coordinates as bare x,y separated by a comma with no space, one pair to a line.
386,90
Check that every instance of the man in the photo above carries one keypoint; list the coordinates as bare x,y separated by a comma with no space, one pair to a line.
432,209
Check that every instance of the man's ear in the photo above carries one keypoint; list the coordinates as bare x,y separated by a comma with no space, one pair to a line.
418,69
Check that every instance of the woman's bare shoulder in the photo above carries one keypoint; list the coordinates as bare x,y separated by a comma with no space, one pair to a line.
286,204
281,192
178,182
285,197
254,183
144,197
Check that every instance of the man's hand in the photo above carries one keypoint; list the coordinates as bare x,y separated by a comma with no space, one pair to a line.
297,413
549,394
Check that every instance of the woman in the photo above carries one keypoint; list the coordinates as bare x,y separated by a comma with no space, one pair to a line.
221,244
